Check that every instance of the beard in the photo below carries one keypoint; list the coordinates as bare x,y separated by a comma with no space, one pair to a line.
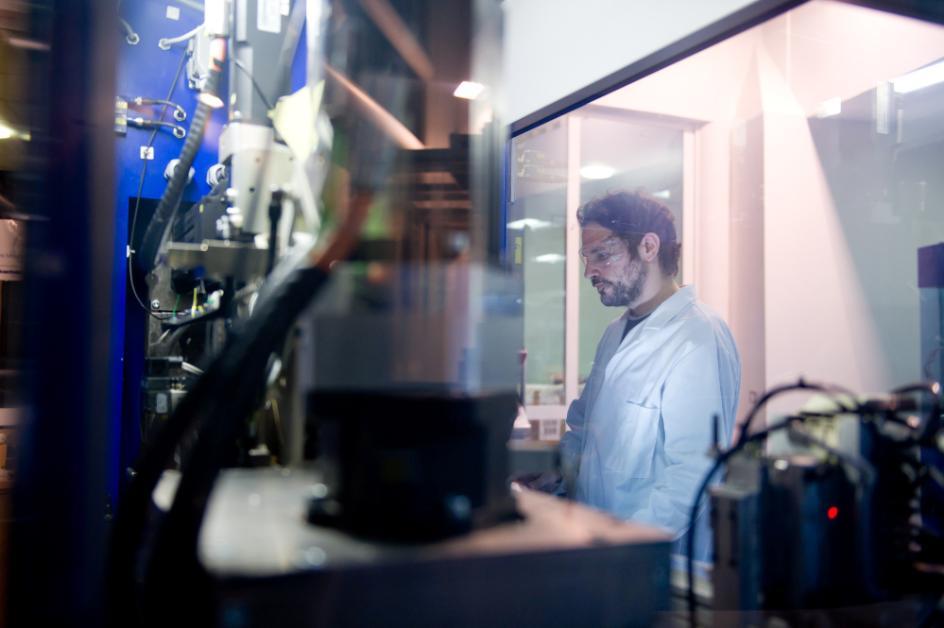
623,293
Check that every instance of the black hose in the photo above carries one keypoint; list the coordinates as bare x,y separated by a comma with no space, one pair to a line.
174,569
275,215
146,256
227,392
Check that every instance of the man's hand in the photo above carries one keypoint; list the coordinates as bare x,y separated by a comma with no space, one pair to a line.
547,482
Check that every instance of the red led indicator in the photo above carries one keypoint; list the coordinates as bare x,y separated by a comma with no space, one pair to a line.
832,513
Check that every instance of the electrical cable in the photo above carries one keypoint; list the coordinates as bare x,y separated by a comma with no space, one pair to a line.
137,200
693,515
242,66
801,384
863,466
180,114
131,36
275,215
164,43
165,212
932,390
127,534
744,440
241,372
147,123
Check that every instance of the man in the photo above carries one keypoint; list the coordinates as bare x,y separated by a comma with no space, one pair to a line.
639,435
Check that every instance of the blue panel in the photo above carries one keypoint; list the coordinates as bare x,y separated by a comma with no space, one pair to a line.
145,70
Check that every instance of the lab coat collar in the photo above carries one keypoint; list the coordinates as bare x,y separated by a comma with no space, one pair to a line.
668,309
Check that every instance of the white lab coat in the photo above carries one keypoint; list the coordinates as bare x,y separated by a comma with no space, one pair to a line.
638,438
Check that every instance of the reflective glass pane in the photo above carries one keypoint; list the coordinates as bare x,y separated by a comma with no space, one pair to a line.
536,229
623,151
818,135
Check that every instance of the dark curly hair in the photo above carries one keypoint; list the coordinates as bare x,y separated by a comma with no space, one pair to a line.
631,216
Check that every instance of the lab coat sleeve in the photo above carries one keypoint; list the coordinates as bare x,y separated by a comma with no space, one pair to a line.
691,396
571,443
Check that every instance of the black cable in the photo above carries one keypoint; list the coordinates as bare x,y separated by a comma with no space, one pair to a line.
800,384
275,215
180,114
242,66
287,52
146,123
214,385
863,466
693,515
744,439
236,386
932,390
167,207
137,200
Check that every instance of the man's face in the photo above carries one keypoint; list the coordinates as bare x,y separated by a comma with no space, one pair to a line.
618,276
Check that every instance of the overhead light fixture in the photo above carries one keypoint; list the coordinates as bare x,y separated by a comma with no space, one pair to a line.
920,78
663,194
530,223
469,90
597,171
7,132
550,258
28,44
211,100
829,107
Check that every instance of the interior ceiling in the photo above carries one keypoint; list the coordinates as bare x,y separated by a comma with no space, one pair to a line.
818,51
815,52
635,150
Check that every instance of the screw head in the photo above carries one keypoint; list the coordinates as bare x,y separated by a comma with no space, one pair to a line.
155,304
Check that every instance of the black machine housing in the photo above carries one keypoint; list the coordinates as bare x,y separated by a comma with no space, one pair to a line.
413,465
804,532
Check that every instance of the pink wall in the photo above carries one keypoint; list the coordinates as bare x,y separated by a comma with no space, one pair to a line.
772,251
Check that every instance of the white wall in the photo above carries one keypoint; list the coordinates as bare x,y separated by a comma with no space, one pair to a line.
556,47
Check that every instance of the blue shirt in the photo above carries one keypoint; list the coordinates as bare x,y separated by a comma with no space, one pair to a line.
639,435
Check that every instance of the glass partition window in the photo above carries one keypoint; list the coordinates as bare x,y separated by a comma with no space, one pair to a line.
557,167
620,151
537,225
801,159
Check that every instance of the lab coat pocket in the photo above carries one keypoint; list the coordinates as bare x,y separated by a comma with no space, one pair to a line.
634,441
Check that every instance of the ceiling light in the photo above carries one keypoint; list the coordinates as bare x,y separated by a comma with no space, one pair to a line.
529,223
920,78
597,171
6,132
829,107
469,90
550,258
663,194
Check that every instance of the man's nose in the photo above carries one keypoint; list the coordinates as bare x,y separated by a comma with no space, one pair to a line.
589,271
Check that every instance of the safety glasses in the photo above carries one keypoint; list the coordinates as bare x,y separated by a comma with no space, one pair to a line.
605,253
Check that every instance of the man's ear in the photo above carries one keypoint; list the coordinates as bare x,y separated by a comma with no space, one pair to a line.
649,247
